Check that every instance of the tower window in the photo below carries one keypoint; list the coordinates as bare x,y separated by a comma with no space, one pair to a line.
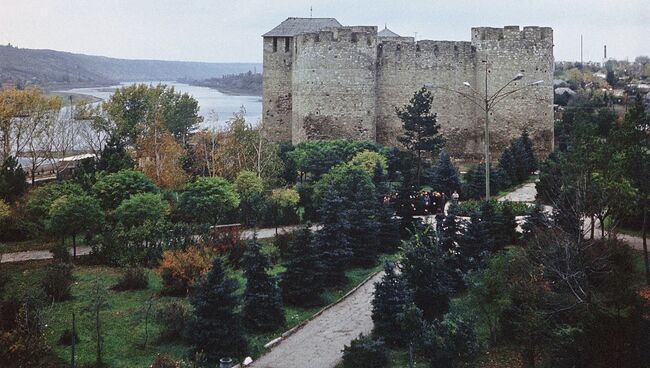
286,44
275,44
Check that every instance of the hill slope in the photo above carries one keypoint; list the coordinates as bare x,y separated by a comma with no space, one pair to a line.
50,69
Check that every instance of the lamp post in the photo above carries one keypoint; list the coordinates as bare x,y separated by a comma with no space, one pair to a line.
486,102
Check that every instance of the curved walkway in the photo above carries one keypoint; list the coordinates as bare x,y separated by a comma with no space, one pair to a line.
319,343
37,255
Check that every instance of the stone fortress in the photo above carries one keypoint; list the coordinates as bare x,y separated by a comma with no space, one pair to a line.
323,80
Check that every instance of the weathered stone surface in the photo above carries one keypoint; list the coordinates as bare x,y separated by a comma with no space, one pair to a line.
345,82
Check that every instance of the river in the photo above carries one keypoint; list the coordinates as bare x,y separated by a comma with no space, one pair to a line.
210,100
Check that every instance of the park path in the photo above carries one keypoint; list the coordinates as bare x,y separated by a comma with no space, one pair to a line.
37,255
319,343
527,192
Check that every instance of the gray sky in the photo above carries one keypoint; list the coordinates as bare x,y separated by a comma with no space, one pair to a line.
227,31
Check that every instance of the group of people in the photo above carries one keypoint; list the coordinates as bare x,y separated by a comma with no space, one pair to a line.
424,203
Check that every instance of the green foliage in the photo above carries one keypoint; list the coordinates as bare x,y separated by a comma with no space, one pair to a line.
449,340
365,352
424,265
40,199
140,209
57,281
332,240
477,243
301,282
248,184
75,214
114,157
443,176
114,188
369,160
138,107
465,208
388,233
315,157
208,199
284,206
173,317
13,180
263,309
215,329
474,185
133,278
60,253
392,295
421,134
536,221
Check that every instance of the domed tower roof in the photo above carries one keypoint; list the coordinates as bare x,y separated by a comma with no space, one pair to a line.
387,33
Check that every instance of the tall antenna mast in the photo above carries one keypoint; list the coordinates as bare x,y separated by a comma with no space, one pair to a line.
311,12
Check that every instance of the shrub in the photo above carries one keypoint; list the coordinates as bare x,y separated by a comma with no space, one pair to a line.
172,317
165,361
364,352
133,278
57,281
60,253
465,208
283,240
179,270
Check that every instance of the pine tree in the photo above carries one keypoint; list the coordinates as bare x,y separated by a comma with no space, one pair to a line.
476,244
425,267
263,309
332,241
444,177
530,159
114,157
491,221
215,329
536,220
388,236
508,164
302,281
392,295
506,233
449,230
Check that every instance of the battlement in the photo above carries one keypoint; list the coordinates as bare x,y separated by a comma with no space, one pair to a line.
340,34
533,33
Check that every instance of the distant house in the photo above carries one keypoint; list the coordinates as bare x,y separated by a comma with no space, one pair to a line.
563,95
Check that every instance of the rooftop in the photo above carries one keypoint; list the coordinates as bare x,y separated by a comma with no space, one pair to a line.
387,33
294,26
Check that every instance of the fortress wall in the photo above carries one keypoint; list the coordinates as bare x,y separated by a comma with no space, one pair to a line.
334,84
277,85
509,51
404,67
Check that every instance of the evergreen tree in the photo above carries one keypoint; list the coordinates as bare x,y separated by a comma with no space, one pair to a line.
476,244
449,230
474,187
444,177
506,227
425,267
536,220
332,241
392,295
421,134
530,161
388,236
302,281
508,163
491,222
215,330
114,157
263,309
12,180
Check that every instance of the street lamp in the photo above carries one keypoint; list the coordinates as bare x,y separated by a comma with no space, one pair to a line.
486,102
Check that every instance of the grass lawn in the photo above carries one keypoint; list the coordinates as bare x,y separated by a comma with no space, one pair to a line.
123,321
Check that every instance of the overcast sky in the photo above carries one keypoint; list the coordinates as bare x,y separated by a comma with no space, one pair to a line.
229,31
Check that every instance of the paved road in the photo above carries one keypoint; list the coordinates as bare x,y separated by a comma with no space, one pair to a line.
35,255
525,193
320,342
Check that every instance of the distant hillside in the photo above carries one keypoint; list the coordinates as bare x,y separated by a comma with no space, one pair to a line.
56,69
248,83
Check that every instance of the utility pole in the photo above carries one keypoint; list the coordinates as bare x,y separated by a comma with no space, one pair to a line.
74,342
581,52
487,136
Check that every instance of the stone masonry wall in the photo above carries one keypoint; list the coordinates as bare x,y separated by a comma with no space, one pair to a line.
404,67
509,51
334,84
344,82
277,85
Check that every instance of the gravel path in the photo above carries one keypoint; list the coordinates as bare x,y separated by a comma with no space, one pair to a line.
319,343
36,255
